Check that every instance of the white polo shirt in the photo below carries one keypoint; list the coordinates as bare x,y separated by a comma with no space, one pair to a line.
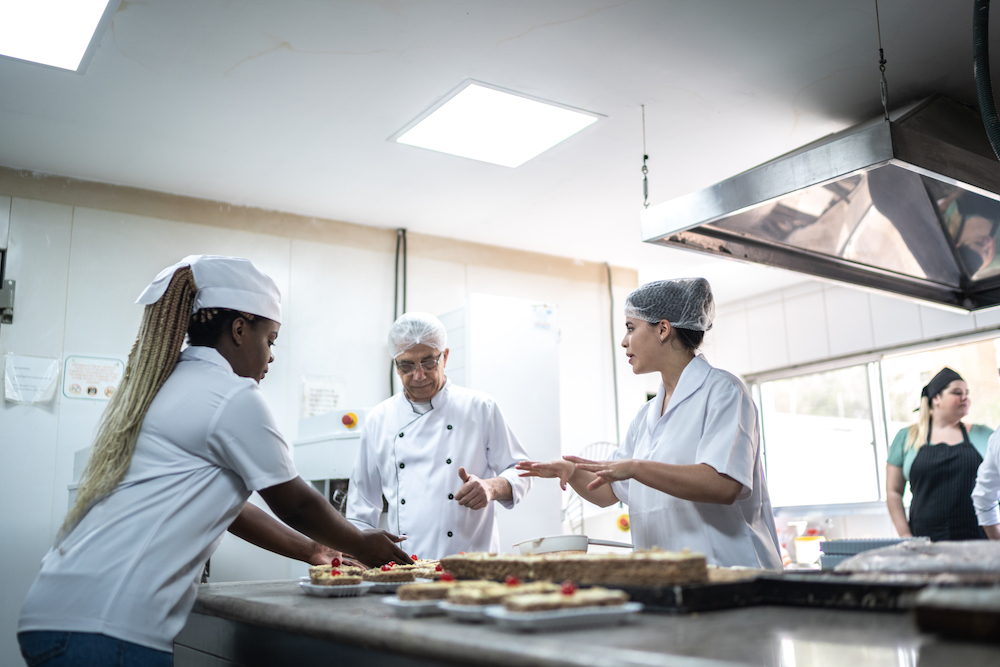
130,568
710,419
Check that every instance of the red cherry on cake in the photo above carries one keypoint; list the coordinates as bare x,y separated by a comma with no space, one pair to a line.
511,580
414,557
385,568
438,568
447,576
568,588
335,562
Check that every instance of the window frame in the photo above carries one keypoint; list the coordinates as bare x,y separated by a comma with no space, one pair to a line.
879,408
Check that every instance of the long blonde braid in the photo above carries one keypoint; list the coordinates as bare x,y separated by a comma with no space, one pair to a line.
152,359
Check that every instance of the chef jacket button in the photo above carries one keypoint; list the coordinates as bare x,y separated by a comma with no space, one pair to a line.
448,461
451,496
402,501
449,427
402,465
400,435
449,533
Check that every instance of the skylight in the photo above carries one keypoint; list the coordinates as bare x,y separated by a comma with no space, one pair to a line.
50,32
485,123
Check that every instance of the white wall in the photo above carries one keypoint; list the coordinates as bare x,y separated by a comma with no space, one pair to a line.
79,270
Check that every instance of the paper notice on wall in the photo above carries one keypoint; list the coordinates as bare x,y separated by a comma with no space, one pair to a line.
320,395
92,378
29,379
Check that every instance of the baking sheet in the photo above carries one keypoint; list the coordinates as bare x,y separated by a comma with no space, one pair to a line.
563,619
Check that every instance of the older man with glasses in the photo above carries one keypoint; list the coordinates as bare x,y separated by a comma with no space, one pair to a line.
439,454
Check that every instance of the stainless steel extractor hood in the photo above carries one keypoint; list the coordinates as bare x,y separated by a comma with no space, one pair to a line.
908,206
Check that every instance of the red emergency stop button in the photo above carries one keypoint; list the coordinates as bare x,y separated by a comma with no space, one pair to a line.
349,419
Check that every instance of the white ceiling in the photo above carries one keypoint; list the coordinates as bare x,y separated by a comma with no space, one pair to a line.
287,105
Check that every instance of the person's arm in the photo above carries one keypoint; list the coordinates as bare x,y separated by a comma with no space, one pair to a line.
476,493
304,509
569,473
698,482
986,493
364,492
260,529
895,485
503,452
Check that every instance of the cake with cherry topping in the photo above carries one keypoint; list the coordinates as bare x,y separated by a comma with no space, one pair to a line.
390,573
333,577
489,592
567,597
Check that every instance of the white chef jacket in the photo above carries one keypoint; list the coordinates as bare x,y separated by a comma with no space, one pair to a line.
710,419
130,568
986,494
413,460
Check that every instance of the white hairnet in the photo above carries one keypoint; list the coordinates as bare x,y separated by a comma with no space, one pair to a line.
416,329
686,303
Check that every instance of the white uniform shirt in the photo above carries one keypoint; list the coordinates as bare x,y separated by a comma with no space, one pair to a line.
130,568
413,460
986,494
710,419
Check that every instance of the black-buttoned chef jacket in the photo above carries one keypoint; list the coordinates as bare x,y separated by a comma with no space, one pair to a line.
413,460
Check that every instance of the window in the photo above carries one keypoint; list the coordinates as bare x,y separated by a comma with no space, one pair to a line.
820,439
826,433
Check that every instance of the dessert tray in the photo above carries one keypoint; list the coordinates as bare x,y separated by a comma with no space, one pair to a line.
563,619
413,608
353,590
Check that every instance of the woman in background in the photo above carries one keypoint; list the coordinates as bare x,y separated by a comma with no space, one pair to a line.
939,458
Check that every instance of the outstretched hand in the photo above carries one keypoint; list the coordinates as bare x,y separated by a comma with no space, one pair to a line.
561,468
606,471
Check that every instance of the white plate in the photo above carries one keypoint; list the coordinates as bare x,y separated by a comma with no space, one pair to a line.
413,608
563,619
467,613
386,586
334,591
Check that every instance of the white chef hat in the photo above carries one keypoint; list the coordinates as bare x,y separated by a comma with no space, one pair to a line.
686,303
222,282
416,329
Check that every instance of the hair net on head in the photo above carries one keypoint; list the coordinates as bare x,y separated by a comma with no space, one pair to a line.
686,303
416,329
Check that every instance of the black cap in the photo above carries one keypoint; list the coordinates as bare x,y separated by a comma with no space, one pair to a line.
937,384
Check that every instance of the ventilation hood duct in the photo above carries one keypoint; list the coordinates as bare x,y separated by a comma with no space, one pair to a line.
907,206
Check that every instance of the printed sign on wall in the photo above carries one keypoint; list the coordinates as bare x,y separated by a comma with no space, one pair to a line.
92,378
30,379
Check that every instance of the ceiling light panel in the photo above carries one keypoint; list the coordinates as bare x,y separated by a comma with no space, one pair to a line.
57,33
489,124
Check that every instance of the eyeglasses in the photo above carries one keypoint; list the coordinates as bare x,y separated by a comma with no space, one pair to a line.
427,365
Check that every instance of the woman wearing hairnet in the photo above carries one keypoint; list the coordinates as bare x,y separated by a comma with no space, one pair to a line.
689,468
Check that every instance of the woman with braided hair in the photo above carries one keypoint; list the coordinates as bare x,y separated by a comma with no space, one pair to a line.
184,441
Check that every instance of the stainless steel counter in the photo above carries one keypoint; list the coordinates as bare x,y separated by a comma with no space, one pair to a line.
264,623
